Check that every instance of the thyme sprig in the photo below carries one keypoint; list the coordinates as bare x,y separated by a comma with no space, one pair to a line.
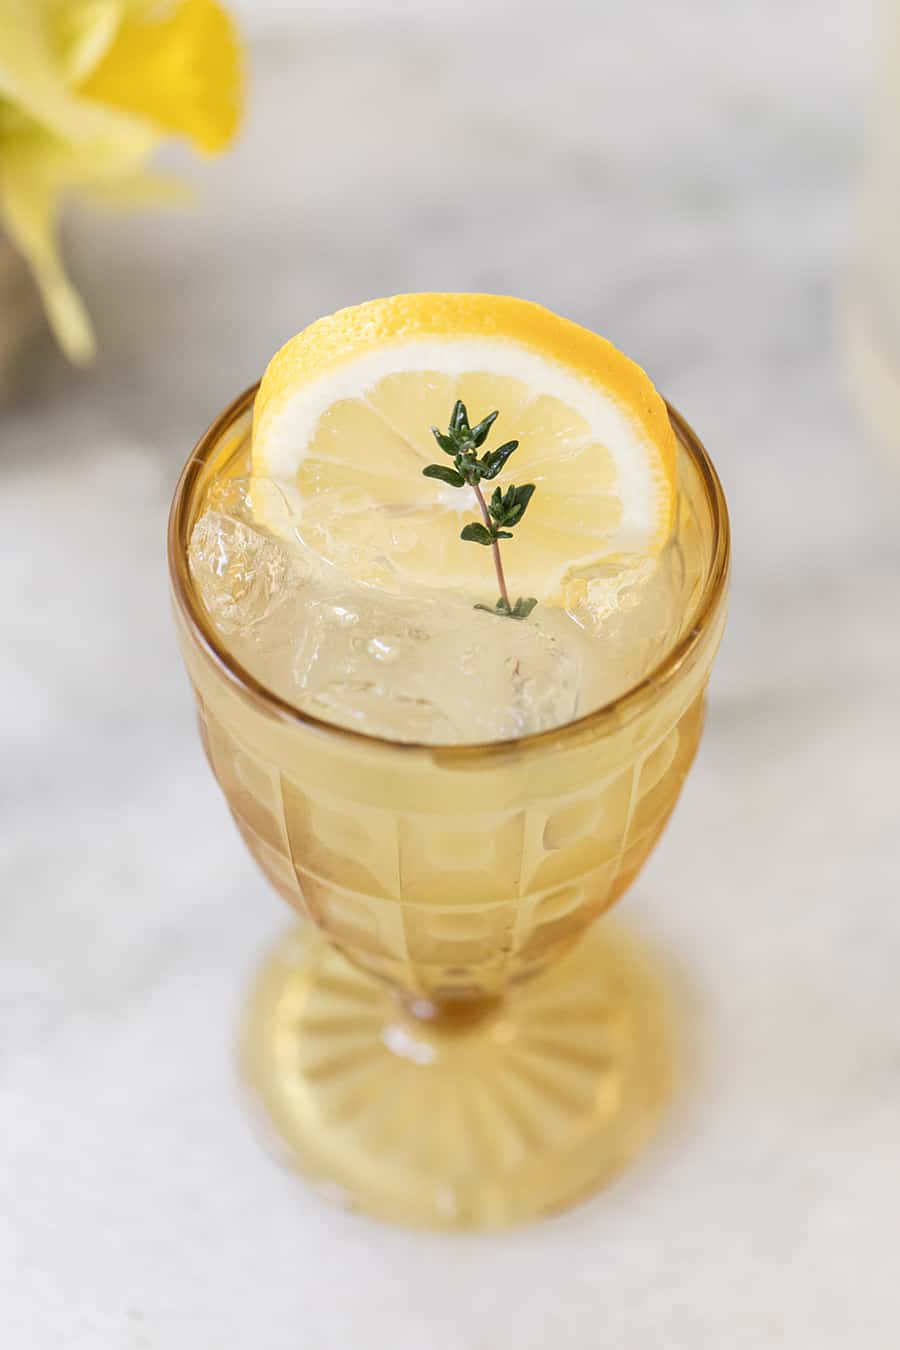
506,507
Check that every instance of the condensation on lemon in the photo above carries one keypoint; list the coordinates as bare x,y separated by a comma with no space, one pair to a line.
342,432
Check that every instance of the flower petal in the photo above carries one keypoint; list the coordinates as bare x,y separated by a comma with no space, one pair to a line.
33,88
29,76
180,68
36,170
30,205
83,31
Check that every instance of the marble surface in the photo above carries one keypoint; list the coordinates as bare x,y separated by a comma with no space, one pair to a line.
681,178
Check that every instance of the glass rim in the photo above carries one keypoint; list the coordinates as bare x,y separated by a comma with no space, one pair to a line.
663,674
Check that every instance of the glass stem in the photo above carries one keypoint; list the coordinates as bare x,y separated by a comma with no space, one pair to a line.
449,1015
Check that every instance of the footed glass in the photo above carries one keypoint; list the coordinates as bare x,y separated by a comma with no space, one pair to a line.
447,1040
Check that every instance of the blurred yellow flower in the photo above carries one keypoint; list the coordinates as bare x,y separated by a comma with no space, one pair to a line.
88,90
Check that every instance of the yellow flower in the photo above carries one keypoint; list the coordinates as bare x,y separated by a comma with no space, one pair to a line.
88,90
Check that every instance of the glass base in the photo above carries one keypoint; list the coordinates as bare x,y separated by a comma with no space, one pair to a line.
473,1121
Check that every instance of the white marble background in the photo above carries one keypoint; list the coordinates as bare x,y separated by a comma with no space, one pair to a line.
679,176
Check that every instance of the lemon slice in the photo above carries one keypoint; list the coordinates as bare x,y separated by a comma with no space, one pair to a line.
342,431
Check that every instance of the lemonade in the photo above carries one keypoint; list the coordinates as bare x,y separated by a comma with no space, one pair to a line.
336,575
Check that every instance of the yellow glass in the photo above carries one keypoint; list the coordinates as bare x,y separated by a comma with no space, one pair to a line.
445,1042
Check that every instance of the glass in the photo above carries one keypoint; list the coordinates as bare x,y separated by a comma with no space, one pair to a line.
447,1041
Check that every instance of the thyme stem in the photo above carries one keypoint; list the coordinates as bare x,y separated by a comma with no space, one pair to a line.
495,547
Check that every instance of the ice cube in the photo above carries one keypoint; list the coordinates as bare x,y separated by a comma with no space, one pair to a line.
242,573
630,609
407,666
434,671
